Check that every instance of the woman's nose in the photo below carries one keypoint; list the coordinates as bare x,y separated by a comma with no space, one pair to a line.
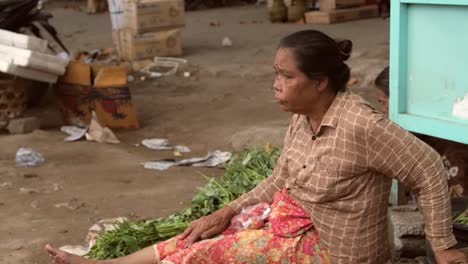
277,85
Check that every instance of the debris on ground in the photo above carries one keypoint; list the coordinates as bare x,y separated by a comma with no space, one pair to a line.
74,133
6,185
34,204
96,132
72,205
105,225
163,66
213,159
227,42
23,190
30,175
27,157
163,144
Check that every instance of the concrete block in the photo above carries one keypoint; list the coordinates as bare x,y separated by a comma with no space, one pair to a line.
23,125
406,232
406,220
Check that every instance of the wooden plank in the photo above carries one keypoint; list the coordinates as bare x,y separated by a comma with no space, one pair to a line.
329,5
341,15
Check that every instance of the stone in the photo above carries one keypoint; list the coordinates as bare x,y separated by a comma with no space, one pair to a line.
34,204
28,190
23,125
406,232
406,221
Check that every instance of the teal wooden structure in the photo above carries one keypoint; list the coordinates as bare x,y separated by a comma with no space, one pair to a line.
429,66
428,69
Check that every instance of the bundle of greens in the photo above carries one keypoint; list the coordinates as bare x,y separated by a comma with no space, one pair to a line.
462,218
243,173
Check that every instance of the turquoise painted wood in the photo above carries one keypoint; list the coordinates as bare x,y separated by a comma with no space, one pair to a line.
429,66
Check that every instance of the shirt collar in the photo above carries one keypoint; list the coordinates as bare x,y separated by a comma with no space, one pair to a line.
331,117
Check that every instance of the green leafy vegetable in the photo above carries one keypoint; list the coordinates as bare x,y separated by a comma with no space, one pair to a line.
243,173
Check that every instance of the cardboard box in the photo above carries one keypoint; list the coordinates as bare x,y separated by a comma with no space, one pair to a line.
142,16
341,15
328,5
97,6
79,93
164,43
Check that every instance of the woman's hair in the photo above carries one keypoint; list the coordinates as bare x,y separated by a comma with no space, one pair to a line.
319,55
382,81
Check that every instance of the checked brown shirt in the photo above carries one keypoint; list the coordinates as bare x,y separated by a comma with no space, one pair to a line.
342,176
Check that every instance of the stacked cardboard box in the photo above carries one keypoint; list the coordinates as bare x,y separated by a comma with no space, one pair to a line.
336,11
144,29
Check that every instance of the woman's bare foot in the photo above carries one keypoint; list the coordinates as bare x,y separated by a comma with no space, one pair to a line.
61,257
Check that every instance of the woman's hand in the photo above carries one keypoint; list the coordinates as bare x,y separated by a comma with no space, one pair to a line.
450,256
209,226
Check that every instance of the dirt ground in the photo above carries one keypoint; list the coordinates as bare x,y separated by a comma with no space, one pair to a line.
224,105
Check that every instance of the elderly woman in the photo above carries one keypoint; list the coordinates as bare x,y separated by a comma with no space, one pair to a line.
329,192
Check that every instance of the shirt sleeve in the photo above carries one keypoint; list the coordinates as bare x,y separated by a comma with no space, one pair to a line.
266,190
396,153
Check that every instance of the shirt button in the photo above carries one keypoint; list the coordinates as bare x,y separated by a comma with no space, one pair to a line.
314,138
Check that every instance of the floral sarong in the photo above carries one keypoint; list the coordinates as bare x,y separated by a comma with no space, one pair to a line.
282,233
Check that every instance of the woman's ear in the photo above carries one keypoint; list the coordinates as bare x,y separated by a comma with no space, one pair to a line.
322,83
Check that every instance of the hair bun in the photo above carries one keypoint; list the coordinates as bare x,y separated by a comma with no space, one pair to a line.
345,47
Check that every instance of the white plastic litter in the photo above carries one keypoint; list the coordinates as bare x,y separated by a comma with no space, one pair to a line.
460,108
94,232
227,42
163,66
213,159
163,144
74,133
27,157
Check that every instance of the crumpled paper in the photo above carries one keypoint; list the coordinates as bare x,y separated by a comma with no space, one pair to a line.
95,132
94,232
213,159
100,134
163,144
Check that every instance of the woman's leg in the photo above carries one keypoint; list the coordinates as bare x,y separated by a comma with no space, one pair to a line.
144,256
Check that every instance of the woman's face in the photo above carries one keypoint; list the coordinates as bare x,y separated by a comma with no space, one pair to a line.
294,91
383,100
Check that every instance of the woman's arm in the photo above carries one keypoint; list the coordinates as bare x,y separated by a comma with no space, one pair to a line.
398,154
